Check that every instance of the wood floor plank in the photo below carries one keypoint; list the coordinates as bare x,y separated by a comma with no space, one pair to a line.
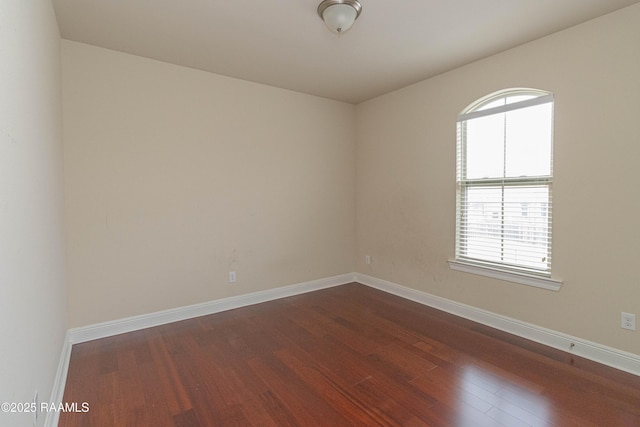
304,405
339,396
168,378
400,362
157,410
344,356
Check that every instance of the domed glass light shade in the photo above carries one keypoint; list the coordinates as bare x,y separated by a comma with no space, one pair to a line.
339,15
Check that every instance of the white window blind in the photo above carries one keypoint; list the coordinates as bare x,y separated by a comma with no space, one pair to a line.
504,182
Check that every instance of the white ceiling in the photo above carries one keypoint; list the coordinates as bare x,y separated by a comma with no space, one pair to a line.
284,43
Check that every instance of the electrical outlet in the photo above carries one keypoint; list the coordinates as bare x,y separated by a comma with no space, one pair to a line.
628,321
367,259
232,277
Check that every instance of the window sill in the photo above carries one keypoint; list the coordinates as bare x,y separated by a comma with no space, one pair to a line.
510,276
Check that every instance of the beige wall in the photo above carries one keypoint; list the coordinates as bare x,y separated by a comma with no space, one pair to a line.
33,298
174,177
406,180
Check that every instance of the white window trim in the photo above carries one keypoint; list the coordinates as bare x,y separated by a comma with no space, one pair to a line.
493,271
544,99
509,276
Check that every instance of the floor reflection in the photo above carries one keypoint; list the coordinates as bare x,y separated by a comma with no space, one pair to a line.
503,401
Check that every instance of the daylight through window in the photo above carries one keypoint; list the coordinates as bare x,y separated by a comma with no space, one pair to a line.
504,178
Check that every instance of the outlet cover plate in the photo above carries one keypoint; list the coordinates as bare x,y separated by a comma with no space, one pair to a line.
628,321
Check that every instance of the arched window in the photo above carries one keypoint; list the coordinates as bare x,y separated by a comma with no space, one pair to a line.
504,179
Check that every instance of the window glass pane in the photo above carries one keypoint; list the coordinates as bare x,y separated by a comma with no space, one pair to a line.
483,223
510,227
491,104
517,98
526,226
504,101
506,223
528,139
485,147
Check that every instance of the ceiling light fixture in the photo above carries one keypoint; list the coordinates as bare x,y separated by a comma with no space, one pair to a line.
339,15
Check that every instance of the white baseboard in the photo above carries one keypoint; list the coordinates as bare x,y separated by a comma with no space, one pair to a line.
129,324
609,356
57,391
589,350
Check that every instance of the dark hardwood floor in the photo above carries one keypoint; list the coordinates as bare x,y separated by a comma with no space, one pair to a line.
349,355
